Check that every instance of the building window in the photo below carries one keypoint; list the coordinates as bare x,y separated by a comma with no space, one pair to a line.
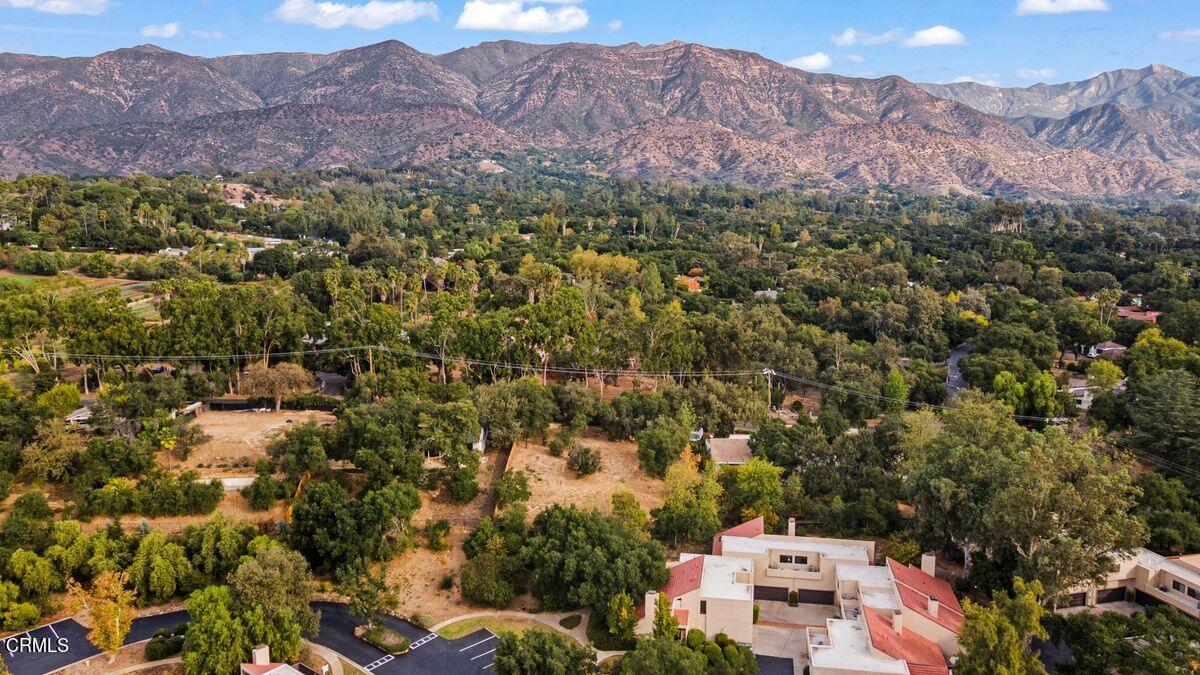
801,560
703,607
1191,592
785,559
1178,586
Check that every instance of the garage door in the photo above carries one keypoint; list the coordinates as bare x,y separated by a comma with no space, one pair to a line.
770,593
816,597
1075,600
1145,600
1110,595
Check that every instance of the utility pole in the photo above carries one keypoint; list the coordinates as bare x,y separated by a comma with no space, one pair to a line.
767,372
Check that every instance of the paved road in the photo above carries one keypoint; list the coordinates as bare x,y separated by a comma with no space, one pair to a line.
57,645
54,646
954,378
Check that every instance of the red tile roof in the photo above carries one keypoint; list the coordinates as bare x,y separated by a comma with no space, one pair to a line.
748,529
685,578
922,656
916,587
682,616
1138,314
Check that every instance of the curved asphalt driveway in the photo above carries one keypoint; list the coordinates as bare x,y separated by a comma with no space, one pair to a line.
430,654
60,644
954,378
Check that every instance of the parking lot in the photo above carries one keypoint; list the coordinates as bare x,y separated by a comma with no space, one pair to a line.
429,653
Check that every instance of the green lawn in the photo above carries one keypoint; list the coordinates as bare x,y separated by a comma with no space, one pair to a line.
496,624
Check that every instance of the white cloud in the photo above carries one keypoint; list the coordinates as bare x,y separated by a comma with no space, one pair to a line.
1025,7
854,58
853,36
1186,35
367,16
89,7
935,36
162,30
616,25
990,79
207,34
1036,73
818,61
512,15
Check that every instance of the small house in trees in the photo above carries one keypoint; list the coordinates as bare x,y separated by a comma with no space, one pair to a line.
733,450
1109,351
1136,313
709,593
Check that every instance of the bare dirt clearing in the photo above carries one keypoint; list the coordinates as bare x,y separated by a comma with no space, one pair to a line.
238,439
551,482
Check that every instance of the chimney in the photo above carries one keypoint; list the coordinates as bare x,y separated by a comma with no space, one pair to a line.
261,655
791,527
929,564
898,622
933,606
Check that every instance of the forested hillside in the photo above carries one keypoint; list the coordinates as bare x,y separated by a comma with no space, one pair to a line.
582,315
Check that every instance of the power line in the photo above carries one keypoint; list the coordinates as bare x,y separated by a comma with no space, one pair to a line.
535,368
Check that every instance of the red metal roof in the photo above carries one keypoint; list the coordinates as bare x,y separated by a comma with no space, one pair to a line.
922,656
916,588
748,529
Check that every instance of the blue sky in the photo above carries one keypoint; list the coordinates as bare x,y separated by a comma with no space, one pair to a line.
1009,42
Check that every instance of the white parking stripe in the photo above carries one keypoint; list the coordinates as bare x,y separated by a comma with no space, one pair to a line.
387,659
486,667
490,637
51,627
483,654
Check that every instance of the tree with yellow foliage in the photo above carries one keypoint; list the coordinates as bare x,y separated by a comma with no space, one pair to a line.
109,607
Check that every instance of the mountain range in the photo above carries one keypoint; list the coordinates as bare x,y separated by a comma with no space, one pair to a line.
677,111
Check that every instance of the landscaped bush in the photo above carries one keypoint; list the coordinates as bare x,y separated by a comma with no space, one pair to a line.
383,638
163,646
571,622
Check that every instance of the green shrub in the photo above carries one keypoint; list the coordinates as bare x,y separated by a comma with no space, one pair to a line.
463,486
485,581
436,532
163,646
422,620
793,598
571,622
512,487
583,460
21,615
263,492
723,640
714,654
757,610
696,640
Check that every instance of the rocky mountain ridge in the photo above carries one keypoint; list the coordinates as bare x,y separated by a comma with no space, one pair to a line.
676,111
